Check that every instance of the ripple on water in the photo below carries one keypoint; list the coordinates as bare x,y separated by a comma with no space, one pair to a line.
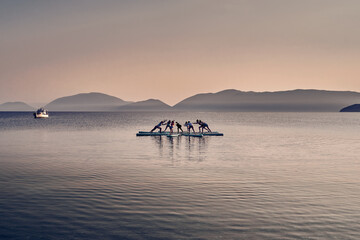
88,177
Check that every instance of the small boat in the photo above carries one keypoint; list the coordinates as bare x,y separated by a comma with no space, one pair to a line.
41,113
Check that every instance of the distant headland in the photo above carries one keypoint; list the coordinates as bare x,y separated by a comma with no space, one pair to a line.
352,108
16,106
300,100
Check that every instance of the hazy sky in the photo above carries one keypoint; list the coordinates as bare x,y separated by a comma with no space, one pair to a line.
171,50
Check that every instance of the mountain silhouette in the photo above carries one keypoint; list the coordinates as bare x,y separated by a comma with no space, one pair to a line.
147,105
352,108
16,107
281,101
86,102
231,100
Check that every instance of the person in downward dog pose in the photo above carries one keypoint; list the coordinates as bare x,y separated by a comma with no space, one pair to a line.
158,126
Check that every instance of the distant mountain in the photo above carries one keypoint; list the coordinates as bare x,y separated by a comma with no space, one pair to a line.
86,102
227,100
282,101
352,108
148,105
16,107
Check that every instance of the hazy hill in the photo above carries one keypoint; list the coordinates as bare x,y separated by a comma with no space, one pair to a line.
86,102
282,101
16,107
352,108
148,105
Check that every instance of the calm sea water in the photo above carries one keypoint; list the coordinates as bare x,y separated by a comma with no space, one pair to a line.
272,176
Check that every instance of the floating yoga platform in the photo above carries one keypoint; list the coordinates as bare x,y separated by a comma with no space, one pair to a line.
141,133
192,134
212,134
175,134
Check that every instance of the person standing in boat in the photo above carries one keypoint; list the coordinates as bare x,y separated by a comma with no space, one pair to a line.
158,126
178,125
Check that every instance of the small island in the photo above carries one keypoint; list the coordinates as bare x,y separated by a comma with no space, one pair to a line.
351,108
16,107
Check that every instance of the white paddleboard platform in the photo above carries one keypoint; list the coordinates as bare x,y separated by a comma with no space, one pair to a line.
174,135
192,135
142,133
212,134
187,134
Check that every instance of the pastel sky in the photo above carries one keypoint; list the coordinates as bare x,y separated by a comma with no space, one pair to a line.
173,49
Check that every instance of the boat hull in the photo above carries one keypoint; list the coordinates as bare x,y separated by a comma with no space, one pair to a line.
41,115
